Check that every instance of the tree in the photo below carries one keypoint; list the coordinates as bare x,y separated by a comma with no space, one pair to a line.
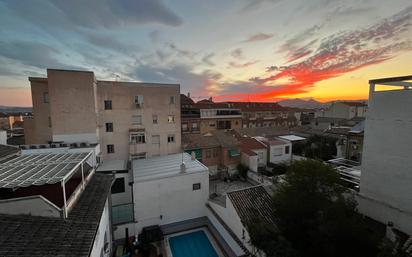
268,239
317,215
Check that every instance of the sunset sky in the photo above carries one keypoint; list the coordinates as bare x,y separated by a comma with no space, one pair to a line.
246,50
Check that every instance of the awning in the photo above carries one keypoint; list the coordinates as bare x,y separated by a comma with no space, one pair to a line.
234,153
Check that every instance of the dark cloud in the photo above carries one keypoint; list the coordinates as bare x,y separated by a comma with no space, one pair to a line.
237,53
179,51
242,65
258,37
208,59
109,42
252,5
33,54
94,13
177,73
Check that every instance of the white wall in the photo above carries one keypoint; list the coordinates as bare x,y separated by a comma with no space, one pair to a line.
386,164
171,197
35,205
283,157
261,161
3,137
126,196
250,161
103,235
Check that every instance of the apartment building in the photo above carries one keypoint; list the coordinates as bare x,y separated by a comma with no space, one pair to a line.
344,110
190,115
256,114
386,178
129,119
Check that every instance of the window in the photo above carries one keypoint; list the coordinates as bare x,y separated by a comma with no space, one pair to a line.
122,214
118,186
138,100
212,124
110,148
46,97
49,120
108,104
287,149
171,119
184,127
172,100
171,138
224,124
154,117
137,138
138,156
195,126
215,152
196,186
136,119
109,127
260,156
208,153
277,152
156,139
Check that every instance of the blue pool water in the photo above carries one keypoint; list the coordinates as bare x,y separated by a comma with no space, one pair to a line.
195,244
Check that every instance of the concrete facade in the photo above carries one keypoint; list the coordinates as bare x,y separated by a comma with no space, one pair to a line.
386,180
69,106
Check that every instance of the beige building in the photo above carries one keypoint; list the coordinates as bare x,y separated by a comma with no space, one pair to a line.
128,119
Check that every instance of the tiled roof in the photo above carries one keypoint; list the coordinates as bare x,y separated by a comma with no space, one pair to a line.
24,235
263,131
249,144
252,202
212,139
6,150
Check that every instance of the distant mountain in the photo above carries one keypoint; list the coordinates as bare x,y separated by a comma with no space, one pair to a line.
13,109
301,103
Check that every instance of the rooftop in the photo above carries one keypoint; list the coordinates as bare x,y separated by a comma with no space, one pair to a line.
248,144
25,235
292,138
112,165
39,169
7,151
263,131
211,139
165,166
252,202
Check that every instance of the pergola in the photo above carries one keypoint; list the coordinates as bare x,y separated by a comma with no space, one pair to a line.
41,169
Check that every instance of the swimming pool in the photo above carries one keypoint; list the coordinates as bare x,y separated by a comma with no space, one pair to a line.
194,244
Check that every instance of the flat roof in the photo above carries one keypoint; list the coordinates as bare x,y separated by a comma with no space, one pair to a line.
165,166
292,138
39,169
112,165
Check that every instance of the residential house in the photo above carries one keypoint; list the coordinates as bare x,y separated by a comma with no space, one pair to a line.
253,153
344,110
279,150
218,150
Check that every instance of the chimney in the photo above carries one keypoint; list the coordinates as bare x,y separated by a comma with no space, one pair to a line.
193,154
188,94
